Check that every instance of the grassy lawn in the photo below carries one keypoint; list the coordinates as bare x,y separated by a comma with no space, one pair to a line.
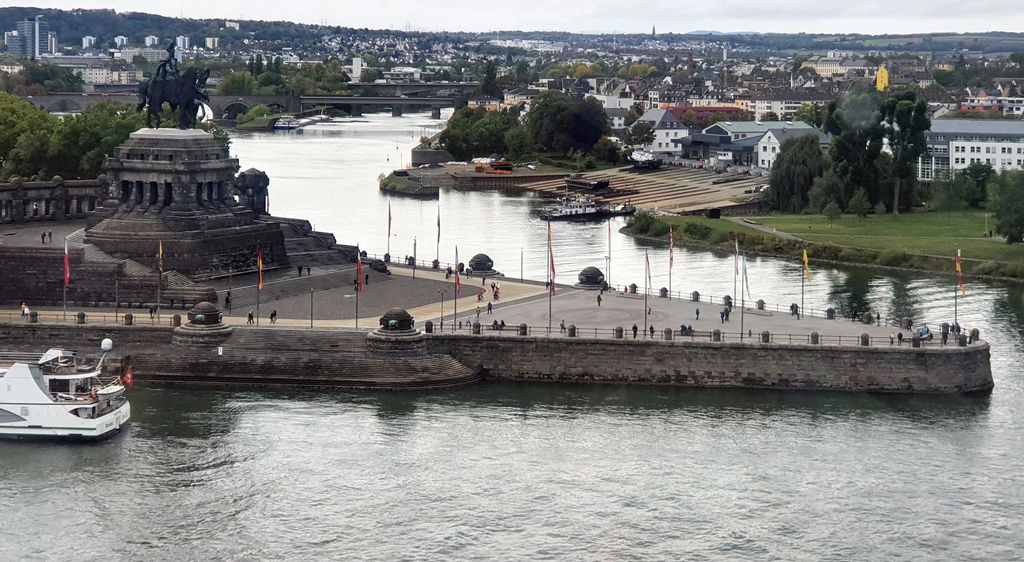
716,225
934,233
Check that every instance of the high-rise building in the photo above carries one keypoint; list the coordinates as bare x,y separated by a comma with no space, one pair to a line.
231,25
88,42
152,40
10,38
212,42
120,41
51,42
183,43
34,38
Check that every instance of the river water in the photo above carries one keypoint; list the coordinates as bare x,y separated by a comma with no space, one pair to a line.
508,471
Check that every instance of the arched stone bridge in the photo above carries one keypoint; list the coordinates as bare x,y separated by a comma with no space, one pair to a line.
230,106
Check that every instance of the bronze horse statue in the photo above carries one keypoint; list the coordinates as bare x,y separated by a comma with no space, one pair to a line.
185,95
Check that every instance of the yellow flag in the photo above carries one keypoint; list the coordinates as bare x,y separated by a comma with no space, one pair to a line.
160,256
807,266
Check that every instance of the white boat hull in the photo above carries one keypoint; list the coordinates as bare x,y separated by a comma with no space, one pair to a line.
55,421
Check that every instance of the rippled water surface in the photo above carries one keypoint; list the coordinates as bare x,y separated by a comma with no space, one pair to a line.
507,471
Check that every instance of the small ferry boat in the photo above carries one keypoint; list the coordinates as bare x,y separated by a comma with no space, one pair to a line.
621,210
57,396
290,123
580,207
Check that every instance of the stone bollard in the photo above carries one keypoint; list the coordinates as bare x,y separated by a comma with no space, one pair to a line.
815,338
176,320
572,330
476,328
129,319
830,313
663,293
524,329
915,341
428,327
975,335
668,334
716,335
632,288
618,332
80,318
695,296
760,304
865,340
961,340
868,318
33,317
766,337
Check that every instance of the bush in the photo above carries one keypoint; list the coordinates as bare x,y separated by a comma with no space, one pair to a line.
697,231
718,237
641,222
893,258
986,268
658,229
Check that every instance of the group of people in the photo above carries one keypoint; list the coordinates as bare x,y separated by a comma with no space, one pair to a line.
25,310
43,236
251,319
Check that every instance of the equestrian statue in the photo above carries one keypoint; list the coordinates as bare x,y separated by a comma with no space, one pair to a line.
185,92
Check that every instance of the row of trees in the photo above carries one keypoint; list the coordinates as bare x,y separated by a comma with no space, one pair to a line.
556,124
37,79
35,143
860,125
275,78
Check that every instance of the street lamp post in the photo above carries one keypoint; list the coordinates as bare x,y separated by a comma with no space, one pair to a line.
441,292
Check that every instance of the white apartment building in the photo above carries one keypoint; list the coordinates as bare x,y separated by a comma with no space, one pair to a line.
152,41
93,74
955,144
151,55
120,41
183,43
212,42
666,127
88,42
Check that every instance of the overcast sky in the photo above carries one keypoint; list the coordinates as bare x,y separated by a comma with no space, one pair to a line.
600,16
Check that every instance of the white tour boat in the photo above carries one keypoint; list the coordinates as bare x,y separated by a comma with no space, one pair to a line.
58,396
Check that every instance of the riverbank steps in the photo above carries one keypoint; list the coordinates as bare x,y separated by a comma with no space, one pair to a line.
341,358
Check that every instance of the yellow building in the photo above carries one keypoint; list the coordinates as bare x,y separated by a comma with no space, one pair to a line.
881,79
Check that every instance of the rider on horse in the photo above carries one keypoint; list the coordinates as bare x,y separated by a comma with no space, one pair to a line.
168,69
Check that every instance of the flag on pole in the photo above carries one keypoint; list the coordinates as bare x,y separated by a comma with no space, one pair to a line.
67,264
746,280
458,282
259,269
737,257
129,377
671,247
439,224
647,265
807,266
160,256
389,222
359,268
959,273
551,254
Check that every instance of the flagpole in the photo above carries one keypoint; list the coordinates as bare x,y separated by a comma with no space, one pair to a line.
647,269
65,303
389,228
414,257
956,278
735,269
455,299
551,282
159,283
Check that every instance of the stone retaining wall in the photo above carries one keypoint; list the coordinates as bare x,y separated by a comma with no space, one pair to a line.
729,364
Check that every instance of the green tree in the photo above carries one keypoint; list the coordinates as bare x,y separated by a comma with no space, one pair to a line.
810,114
371,75
256,111
1006,198
832,212
981,173
770,116
853,123
17,119
799,163
905,120
518,142
82,142
489,85
859,205
606,150
640,134
949,195
559,123
237,84
635,112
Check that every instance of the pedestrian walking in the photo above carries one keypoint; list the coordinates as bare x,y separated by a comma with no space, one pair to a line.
652,331
892,338
721,315
300,271
561,326
598,301
634,331
478,314
251,319
227,301
152,312
698,314
366,279
49,234
490,308
42,237
309,271
899,338
273,316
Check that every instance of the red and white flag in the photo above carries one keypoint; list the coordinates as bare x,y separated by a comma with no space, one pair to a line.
551,254
458,282
359,268
67,265
129,378
671,248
